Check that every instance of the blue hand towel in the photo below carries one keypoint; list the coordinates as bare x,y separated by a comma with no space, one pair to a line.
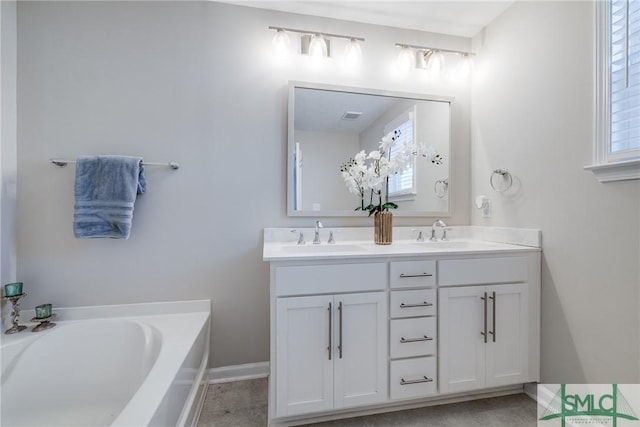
105,191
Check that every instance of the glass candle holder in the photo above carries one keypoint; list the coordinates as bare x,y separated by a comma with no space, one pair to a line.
13,289
43,311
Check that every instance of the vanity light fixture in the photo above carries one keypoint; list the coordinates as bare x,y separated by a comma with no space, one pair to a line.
405,57
318,44
466,66
280,43
352,54
315,46
432,59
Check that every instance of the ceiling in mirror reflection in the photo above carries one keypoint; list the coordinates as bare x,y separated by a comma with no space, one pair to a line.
319,110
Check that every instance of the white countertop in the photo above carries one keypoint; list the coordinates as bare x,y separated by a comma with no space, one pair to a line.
278,244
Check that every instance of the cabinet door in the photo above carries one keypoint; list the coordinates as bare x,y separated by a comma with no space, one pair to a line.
360,336
462,348
507,349
304,362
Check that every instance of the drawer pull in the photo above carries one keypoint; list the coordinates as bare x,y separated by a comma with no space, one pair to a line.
407,276
424,338
424,379
422,304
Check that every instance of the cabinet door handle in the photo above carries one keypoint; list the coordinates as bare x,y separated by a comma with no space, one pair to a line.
424,338
330,331
424,379
406,276
422,304
340,318
493,323
484,332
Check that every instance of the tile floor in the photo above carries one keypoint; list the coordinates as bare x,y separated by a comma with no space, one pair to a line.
244,404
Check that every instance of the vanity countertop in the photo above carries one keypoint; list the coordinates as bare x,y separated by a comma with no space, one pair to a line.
278,244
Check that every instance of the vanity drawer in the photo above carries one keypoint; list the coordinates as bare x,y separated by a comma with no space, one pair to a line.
482,270
413,377
330,278
408,274
412,337
419,302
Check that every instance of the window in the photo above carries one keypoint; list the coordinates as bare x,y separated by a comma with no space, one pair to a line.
402,186
617,145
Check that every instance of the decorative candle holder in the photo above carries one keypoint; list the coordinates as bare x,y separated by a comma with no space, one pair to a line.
15,313
13,289
44,322
43,311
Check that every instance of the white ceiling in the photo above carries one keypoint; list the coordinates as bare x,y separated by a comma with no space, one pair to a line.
460,18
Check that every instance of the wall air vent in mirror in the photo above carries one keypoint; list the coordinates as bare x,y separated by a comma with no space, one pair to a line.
328,125
351,115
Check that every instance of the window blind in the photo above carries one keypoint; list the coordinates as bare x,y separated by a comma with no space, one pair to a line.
402,182
624,79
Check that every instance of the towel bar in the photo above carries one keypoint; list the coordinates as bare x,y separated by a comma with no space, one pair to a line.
62,163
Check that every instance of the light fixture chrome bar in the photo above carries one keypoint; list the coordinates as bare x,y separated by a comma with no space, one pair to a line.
412,46
329,35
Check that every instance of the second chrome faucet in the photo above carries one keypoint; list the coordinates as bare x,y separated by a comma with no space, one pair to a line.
316,237
438,223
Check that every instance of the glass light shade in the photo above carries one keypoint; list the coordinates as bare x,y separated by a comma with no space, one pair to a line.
405,58
352,54
280,43
465,68
318,47
435,63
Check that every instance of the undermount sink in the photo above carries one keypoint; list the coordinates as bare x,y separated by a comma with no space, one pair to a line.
322,249
447,244
441,244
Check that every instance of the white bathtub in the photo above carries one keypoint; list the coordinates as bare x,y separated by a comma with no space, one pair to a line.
126,365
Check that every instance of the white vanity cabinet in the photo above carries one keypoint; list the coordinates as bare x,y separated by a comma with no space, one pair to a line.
355,334
330,349
484,329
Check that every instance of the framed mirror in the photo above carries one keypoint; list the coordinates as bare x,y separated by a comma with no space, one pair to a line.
328,125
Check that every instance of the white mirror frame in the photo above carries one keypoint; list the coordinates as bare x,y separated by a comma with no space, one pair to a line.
352,213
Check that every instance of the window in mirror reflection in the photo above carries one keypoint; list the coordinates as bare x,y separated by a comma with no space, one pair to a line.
402,186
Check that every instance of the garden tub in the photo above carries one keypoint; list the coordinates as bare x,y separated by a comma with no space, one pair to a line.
123,365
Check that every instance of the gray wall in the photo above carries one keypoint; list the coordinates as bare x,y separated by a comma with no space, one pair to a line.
533,114
191,82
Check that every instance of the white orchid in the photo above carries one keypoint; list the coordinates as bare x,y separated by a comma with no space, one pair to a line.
370,172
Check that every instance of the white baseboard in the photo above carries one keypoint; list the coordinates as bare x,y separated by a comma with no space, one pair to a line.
531,390
249,371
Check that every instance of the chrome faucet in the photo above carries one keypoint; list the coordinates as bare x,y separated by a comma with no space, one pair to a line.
300,237
438,223
316,237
